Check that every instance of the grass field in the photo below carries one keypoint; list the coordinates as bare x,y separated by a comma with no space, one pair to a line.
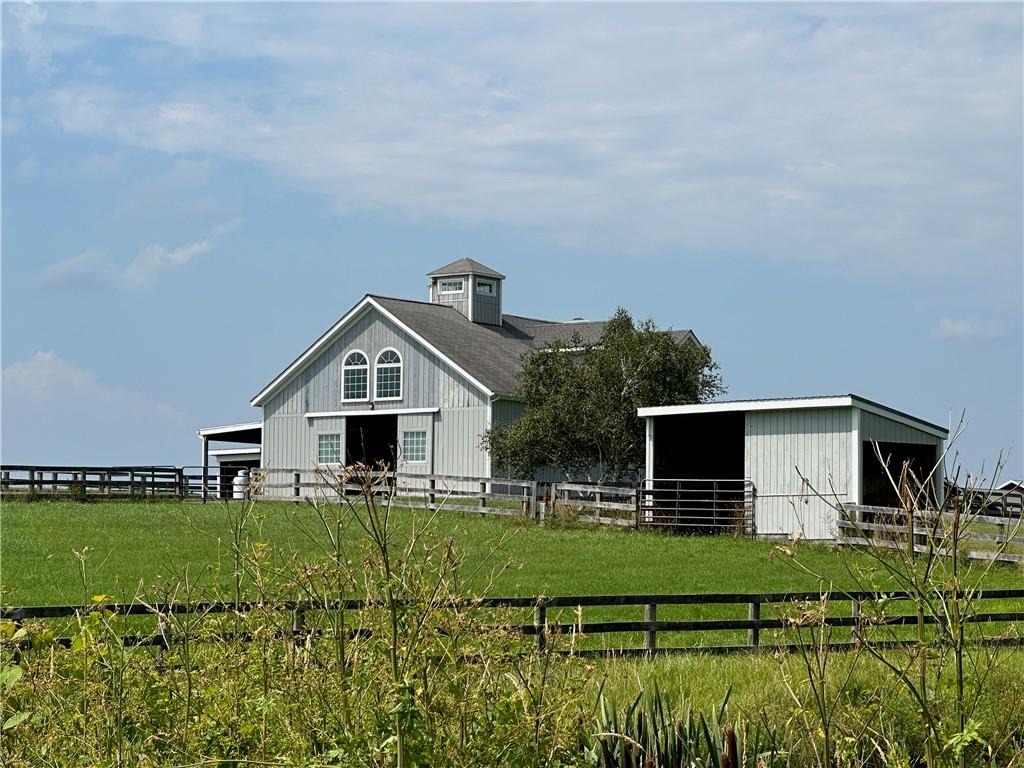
127,546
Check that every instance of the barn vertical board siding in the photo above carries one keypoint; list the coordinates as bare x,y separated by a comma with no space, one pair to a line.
487,309
458,301
777,443
875,427
458,449
290,438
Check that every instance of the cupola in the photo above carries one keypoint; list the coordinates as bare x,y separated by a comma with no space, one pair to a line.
469,287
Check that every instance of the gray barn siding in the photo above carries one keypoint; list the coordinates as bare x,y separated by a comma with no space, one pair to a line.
459,301
289,438
457,449
875,427
817,441
487,309
426,382
505,411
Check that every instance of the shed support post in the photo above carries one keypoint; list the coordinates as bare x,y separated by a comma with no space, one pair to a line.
206,468
651,635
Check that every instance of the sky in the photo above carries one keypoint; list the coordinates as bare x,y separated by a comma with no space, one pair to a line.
829,196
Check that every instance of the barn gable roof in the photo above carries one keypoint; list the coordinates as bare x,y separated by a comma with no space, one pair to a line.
489,356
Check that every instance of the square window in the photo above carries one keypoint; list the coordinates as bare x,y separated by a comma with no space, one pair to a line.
329,448
451,286
414,446
485,287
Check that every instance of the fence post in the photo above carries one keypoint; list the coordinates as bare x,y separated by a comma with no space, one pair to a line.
31,482
540,621
431,496
131,484
5,483
754,632
483,499
858,631
298,622
526,501
296,478
651,635
534,508
163,630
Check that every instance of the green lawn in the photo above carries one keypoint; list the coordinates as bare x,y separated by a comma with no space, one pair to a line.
131,544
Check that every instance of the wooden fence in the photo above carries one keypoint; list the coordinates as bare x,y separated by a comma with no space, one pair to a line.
90,482
982,536
765,612
592,503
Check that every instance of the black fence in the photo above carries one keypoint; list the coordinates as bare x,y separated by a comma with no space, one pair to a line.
765,613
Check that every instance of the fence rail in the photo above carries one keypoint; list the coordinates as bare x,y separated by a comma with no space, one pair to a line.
982,537
543,626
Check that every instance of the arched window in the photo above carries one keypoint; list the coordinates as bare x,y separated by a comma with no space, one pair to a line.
355,376
388,375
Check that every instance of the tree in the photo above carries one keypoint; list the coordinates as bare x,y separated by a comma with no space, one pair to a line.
580,400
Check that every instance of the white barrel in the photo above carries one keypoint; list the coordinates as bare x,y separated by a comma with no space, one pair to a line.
240,484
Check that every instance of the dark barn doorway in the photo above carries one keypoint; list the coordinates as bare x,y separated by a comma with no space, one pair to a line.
371,439
877,489
698,471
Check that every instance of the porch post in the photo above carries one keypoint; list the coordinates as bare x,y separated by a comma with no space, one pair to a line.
206,466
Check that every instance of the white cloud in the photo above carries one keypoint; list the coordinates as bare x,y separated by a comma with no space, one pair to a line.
876,136
57,413
94,269
45,376
968,329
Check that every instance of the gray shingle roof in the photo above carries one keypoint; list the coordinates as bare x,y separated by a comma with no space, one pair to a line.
490,353
465,267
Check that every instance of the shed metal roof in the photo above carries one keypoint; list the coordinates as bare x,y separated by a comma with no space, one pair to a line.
797,403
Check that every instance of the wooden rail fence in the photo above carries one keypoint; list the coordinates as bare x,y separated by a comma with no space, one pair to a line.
544,627
982,537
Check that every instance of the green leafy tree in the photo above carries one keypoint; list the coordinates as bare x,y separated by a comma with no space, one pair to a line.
581,400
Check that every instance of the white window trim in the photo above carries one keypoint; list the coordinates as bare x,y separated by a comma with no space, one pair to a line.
426,450
337,463
461,281
401,374
491,283
345,367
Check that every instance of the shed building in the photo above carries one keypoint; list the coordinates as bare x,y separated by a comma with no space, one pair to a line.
785,454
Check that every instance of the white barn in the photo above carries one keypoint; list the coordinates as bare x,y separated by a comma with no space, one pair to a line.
786,451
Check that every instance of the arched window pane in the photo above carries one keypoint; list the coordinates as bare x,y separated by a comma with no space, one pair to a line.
355,377
389,375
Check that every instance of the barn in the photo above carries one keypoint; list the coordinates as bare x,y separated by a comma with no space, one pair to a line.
412,383
776,457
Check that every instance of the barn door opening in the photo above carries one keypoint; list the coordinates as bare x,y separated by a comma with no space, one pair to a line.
371,439
877,488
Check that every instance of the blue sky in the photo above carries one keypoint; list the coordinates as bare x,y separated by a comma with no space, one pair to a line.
830,196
